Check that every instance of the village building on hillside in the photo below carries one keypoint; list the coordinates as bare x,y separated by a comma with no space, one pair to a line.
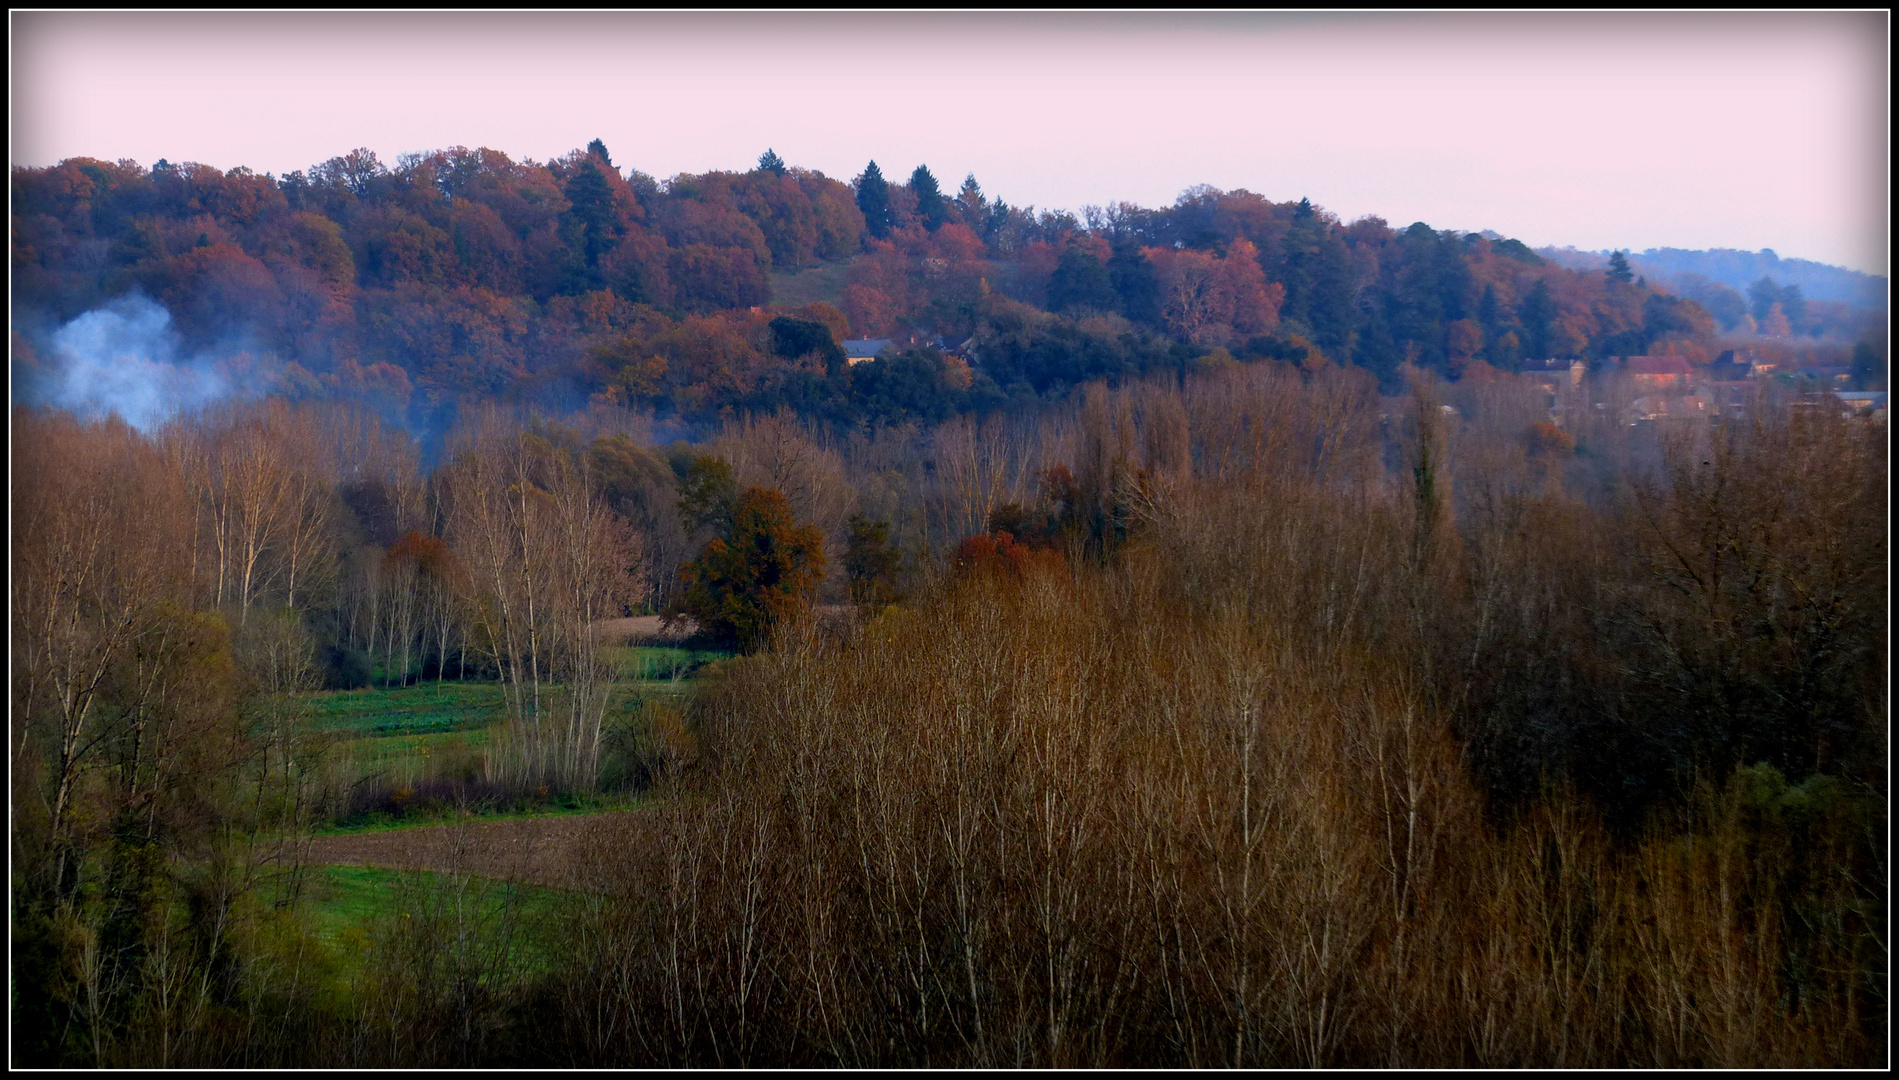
1658,374
1660,407
1826,376
1731,366
1732,398
1870,404
858,350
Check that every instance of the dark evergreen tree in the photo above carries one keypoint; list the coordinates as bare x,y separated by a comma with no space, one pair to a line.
770,162
294,186
1451,266
1663,315
598,149
929,198
873,198
1762,296
1794,306
1299,250
999,214
1432,287
973,206
1867,368
792,338
1375,349
588,227
1536,313
1489,312
1080,281
1619,268
1316,270
1500,327
1332,310
913,385
1136,284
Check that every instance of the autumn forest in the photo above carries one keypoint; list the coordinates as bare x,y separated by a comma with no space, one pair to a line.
479,612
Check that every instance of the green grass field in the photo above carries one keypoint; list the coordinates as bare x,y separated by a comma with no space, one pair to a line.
423,709
348,910
657,664
416,714
407,739
809,285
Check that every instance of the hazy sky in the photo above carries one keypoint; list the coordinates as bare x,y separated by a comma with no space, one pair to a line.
1686,130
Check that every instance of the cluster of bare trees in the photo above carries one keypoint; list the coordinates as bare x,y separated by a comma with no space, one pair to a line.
1346,729
100,562
544,560
1380,738
396,584
129,741
262,480
1085,824
174,600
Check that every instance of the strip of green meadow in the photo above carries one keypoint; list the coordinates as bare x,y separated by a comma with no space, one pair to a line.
440,708
425,708
447,725
345,910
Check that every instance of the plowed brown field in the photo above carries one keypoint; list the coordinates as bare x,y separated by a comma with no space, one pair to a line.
643,630
579,851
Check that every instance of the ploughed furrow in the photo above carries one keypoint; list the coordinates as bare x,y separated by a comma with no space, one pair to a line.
576,851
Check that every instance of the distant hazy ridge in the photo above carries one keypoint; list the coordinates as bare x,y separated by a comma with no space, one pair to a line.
1738,270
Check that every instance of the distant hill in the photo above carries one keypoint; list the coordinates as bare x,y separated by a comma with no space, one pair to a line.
463,276
1738,270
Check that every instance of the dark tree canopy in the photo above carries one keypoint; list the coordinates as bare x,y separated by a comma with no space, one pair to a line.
708,494
465,273
871,562
1135,284
1080,281
743,586
930,204
793,338
1619,268
873,200
1536,314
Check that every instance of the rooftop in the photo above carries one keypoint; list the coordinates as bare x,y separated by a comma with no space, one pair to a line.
1657,365
865,347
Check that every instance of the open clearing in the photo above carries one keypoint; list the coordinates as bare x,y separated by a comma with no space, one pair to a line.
801,286
644,629
348,908
402,738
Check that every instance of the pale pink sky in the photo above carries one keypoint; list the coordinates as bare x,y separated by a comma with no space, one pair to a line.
1626,130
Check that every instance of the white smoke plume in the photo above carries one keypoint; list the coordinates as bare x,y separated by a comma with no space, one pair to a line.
123,358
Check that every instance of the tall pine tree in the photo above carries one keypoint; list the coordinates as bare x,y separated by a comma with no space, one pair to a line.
1619,268
1299,251
1537,313
975,205
588,225
929,198
873,198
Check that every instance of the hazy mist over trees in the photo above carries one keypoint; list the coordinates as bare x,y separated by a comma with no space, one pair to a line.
464,274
